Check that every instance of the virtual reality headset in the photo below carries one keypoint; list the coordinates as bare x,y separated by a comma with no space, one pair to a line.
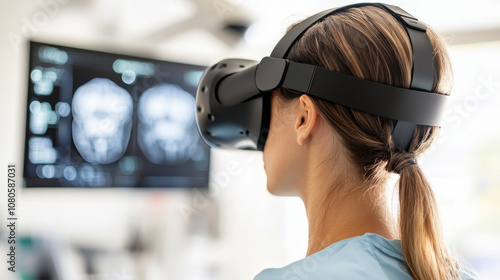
233,96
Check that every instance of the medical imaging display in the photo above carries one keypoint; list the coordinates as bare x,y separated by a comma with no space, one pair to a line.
97,119
101,132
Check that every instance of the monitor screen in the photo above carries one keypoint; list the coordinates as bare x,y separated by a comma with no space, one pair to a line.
97,119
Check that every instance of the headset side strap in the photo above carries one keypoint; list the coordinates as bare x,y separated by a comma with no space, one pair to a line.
407,105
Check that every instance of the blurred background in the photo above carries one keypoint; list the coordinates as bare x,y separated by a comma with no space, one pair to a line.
233,228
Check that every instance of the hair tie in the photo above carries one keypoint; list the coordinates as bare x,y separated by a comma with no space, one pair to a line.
398,162
410,162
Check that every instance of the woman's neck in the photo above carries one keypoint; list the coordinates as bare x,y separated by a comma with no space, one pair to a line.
335,214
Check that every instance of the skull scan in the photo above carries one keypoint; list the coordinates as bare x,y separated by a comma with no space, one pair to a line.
166,131
102,120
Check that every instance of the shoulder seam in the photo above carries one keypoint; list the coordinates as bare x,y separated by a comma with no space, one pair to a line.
387,251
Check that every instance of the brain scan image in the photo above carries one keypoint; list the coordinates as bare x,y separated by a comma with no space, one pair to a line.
102,120
166,131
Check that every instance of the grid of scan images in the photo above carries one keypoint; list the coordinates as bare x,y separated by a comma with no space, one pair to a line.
97,119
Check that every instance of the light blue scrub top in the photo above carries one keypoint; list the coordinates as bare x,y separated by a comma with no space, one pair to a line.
369,256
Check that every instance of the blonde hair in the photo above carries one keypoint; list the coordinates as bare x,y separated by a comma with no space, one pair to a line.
369,43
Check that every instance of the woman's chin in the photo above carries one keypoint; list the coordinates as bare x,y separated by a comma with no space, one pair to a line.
280,190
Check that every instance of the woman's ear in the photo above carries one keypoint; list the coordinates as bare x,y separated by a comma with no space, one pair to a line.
306,119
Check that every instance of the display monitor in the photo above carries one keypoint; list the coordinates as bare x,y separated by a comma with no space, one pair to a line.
100,119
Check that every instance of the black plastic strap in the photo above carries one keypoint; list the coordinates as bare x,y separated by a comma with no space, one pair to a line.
422,70
285,44
422,78
423,60
403,134
407,105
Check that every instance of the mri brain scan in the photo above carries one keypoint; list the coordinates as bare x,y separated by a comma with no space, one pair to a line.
102,114
166,131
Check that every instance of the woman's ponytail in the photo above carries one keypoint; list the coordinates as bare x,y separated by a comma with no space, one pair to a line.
419,224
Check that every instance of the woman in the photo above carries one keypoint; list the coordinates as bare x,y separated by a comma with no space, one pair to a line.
338,160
